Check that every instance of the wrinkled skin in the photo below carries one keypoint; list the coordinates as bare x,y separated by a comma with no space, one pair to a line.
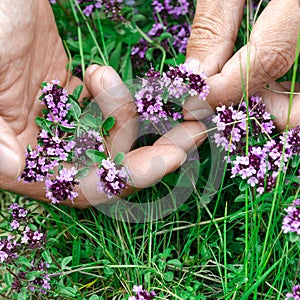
31,52
269,54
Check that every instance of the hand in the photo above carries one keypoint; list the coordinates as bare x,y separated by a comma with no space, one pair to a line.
31,52
269,54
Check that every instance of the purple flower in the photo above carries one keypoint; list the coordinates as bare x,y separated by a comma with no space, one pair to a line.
111,8
291,222
112,178
52,1
37,166
8,249
90,139
141,294
33,239
40,284
295,293
153,99
19,215
62,187
55,98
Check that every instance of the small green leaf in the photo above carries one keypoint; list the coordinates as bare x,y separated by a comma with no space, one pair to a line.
165,35
95,155
119,158
82,173
138,17
44,124
77,92
68,292
108,123
23,294
47,257
90,121
169,276
65,262
175,262
114,60
94,297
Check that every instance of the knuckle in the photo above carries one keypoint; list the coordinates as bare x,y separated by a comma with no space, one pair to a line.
275,60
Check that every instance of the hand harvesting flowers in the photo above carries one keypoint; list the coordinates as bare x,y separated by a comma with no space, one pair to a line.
31,53
268,55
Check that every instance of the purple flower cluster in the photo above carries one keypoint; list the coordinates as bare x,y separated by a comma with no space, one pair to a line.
231,124
154,98
55,98
40,284
141,294
295,293
8,249
90,139
291,222
52,1
170,8
33,239
62,187
25,238
112,178
111,8
266,157
19,216
165,12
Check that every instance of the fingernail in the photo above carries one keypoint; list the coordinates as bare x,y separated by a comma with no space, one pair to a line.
198,114
93,68
193,64
113,84
10,165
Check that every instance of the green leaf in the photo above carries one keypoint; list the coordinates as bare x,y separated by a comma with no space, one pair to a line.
47,257
8,279
147,277
114,60
68,292
168,276
108,123
24,261
165,35
82,173
65,262
94,297
243,186
175,262
44,124
95,155
90,121
119,158
75,109
67,129
23,294
77,92
149,53
138,17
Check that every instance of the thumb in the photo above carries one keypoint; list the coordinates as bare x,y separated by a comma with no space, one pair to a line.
214,31
11,154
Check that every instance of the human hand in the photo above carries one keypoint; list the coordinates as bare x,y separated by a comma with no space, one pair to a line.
31,52
269,54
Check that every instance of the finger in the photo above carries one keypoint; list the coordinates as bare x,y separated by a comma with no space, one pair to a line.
278,104
214,31
188,135
114,99
146,166
269,55
11,153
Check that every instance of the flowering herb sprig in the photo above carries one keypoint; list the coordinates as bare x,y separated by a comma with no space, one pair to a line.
171,29
70,134
156,98
295,294
25,241
142,294
266,156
